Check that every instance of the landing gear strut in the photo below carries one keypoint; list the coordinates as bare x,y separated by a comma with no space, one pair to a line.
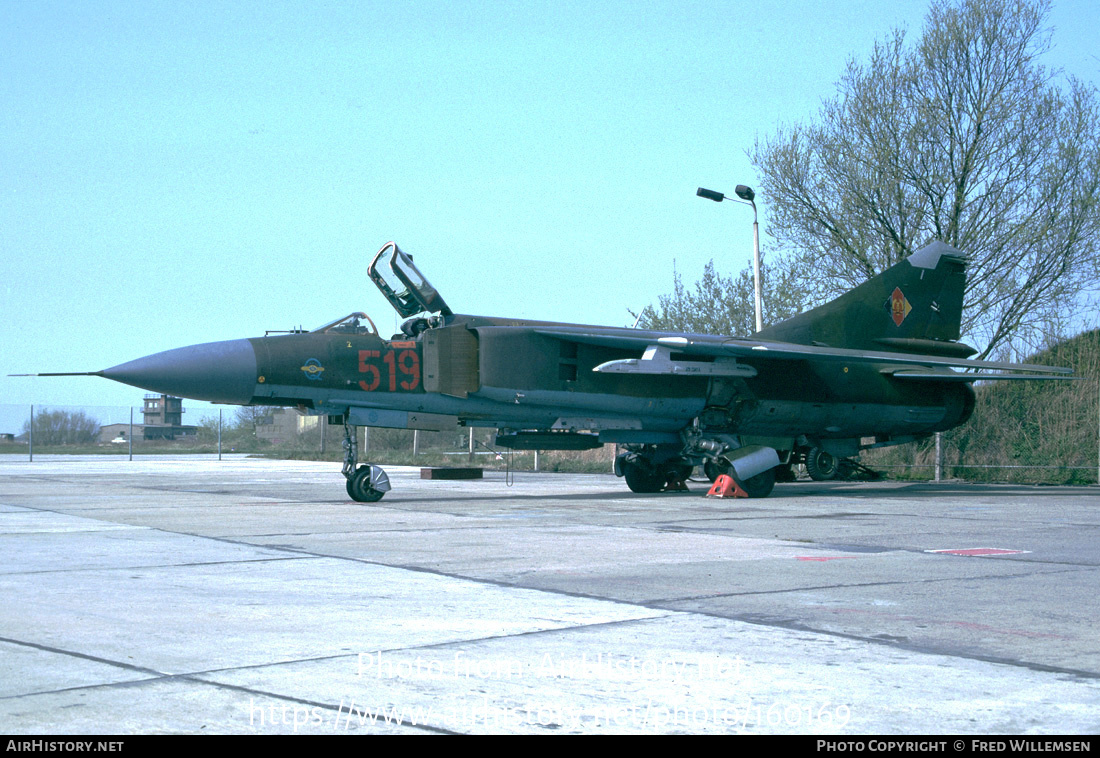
367,483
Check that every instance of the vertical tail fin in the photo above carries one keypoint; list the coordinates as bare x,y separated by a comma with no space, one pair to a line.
915,305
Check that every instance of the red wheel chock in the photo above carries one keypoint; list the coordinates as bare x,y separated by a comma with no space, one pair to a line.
725,486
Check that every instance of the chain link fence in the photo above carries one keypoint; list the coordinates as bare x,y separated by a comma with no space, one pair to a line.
163,426
1036,435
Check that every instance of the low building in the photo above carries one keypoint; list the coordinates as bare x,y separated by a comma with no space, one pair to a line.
118,433
163,421
283,424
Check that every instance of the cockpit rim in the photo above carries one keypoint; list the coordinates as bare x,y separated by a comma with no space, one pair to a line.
344,325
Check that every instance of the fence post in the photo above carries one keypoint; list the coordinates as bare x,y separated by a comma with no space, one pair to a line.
30,436
939,456
131,433
471,444
219,434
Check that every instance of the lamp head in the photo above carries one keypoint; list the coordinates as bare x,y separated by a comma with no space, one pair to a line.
710,195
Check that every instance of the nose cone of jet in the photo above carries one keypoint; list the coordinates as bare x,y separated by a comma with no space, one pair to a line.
221,372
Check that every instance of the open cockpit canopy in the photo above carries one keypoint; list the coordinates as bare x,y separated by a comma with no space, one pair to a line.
393,272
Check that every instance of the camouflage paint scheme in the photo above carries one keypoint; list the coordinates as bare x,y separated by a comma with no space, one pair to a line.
877,366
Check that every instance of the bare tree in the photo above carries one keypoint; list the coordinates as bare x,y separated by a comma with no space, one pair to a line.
961,137
62,428
723,305
248,417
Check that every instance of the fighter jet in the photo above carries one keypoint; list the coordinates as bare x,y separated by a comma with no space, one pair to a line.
880,365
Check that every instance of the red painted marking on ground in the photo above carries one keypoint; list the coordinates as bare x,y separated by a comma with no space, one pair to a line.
979,551
1013,632
832,558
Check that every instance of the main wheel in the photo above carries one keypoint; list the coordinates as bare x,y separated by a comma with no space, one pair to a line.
359,488
821,466
760,485
641,478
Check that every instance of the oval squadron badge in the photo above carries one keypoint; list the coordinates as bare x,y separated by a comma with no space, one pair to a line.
313,370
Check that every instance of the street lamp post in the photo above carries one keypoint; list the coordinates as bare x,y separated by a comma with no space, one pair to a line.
745,195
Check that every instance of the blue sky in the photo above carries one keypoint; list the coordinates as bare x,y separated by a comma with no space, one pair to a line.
175,173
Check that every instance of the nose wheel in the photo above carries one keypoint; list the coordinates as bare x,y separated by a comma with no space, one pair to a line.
368,484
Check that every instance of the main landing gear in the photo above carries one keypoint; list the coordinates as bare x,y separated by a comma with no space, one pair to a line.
642,475
367,483
645,474
760,485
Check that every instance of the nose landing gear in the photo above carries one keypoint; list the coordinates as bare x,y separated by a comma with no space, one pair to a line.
367,483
